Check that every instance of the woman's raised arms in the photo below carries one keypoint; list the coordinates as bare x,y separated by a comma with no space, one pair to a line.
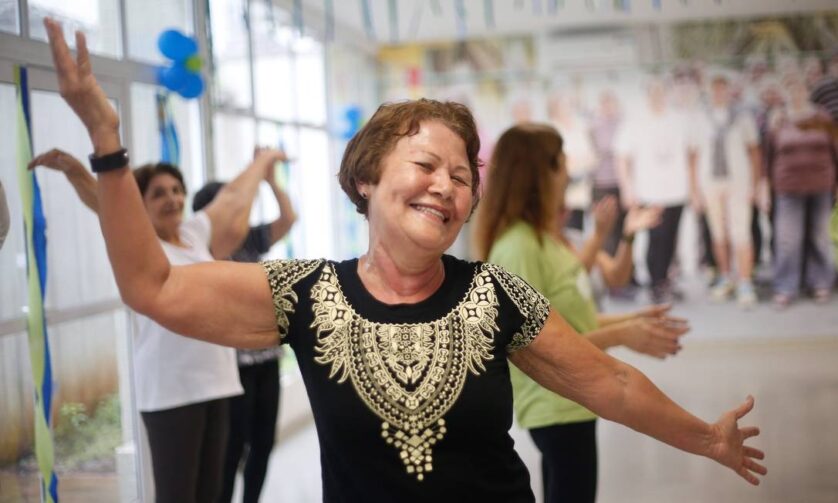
562,361
225,303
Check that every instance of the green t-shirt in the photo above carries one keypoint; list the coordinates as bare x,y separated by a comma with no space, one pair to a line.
555,271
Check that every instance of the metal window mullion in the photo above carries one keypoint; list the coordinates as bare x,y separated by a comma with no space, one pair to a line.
23,18
251,66
200,22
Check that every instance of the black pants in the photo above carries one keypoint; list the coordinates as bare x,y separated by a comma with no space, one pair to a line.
568,461
662,240
252,424
576,220
187,450
613,240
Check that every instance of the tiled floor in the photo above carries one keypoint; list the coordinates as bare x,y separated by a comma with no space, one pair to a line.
788,361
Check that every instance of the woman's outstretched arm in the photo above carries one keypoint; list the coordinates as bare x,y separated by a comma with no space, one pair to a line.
562,361
205,300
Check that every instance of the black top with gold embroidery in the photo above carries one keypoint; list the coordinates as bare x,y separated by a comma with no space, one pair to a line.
412,402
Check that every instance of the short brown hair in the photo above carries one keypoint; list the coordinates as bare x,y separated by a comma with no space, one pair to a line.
144,174
519,185
362,159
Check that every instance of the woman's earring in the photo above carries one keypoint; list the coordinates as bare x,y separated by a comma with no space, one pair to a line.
364,195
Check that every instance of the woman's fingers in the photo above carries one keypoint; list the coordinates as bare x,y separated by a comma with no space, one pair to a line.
755,467
753,453
749,431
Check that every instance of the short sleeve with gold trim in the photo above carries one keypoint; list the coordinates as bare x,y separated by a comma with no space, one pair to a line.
283,275
533,306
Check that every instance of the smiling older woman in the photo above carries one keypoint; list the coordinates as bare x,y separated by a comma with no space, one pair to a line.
403,351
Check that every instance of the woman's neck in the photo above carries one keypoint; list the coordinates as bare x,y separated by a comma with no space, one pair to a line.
170,236
395,278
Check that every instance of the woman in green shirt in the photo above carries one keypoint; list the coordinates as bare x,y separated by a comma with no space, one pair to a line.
516,228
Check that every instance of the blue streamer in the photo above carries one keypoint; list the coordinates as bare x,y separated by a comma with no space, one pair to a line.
489,13
169,142
298,15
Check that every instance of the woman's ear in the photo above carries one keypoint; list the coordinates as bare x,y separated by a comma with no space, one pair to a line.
363,189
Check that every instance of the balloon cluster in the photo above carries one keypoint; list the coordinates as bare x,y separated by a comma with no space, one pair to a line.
351,121
183,75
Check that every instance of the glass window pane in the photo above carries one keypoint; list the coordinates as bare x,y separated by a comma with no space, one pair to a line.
234,138
311,87
146,142
76,255
273,69
316,180
9,16
98,19
265,209
13,255
230,53
146,19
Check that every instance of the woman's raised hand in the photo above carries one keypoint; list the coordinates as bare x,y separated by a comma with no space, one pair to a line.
728,444
58,160
80,90
605,215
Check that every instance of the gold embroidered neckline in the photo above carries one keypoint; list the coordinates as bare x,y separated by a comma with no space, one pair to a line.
409,375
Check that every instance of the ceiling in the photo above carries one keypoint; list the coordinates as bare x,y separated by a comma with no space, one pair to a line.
437,20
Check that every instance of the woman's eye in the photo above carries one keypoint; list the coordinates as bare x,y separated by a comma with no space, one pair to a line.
425,166
461,181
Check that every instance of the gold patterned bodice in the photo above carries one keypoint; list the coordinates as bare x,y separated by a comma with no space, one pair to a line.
409,375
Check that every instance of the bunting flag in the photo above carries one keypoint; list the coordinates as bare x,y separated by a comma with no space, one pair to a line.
536,7
656,4
367,13
553,7
36,272
436,8
169,143
393,9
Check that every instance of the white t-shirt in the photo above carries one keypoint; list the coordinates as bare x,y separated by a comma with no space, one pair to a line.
171,370
657,147
741,134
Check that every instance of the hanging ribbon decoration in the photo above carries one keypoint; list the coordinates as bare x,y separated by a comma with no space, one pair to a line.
436,8
519,4
656,4
553,7
329,21
169,143
536,7
36,272
460,10
393,10
367,14
489,13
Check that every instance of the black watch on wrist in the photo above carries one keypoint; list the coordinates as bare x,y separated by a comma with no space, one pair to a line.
109,162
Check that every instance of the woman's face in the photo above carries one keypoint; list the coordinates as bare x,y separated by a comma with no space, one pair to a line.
424,194
163,200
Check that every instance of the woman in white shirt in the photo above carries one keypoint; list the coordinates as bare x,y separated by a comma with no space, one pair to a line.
182,385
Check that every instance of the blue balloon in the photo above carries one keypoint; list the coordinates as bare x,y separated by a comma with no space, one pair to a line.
173,77
192,87
175,45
